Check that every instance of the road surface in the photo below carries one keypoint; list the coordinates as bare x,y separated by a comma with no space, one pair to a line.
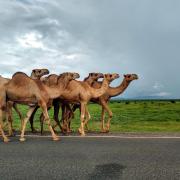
91,158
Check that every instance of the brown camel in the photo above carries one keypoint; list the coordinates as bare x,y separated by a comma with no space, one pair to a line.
104,99
81,92
68,113
24,90
36,74
111,92
50,81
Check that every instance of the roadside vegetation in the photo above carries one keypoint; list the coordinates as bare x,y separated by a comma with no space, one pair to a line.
128,116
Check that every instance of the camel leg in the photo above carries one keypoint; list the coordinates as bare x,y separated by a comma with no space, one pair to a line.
81,129
88,116
102,120
42,119
63,119
5,139
28,115
19,114
9,118
56,115
31,120
71,115
68,116
47,119
105,105
42,123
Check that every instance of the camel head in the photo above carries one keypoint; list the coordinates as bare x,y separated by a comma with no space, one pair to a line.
38,73
130,77
69,76
66,77
95,76
111,77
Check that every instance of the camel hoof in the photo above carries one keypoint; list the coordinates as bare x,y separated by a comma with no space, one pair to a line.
22,139
82,134
80,131
56,138
103,131
6,140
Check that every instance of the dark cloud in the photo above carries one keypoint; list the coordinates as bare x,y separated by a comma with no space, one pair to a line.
121,36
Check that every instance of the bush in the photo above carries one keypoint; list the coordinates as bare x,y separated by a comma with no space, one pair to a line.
173,102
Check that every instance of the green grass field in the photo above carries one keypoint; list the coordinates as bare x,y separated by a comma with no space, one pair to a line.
128,116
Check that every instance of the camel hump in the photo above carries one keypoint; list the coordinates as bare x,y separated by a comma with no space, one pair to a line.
20,78
20,74
53,76
52,79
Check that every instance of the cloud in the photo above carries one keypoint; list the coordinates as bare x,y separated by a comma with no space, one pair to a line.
162,94
157,86
106,36
31,40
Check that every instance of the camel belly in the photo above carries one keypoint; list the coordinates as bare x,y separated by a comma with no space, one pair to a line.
23,100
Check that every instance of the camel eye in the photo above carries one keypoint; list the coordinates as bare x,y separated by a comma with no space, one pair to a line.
129,76
111,76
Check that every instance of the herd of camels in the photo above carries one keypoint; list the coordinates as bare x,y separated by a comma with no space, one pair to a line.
57,91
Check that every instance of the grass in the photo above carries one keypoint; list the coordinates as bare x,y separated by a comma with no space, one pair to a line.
128,116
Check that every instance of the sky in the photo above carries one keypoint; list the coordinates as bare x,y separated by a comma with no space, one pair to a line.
108,36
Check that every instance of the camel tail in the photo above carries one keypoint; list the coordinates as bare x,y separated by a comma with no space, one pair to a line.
99,92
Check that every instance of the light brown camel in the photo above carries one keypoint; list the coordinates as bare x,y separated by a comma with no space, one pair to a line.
111,92
24,90
104,99
81,92
50,81
69,112
35,74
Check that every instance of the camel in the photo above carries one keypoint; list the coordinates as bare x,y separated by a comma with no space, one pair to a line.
51,80
35,74
22,89
104,99
68,113
111,92
81,92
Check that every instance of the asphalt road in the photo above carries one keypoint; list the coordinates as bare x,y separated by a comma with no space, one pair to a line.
90,158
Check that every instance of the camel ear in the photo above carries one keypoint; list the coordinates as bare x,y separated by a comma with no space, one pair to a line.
125,76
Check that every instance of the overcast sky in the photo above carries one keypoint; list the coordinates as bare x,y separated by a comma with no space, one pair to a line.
122,36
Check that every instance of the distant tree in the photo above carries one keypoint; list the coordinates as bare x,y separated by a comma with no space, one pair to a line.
173,101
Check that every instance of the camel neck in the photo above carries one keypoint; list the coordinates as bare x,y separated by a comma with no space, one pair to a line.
100,91
115,91
89,81
33,76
